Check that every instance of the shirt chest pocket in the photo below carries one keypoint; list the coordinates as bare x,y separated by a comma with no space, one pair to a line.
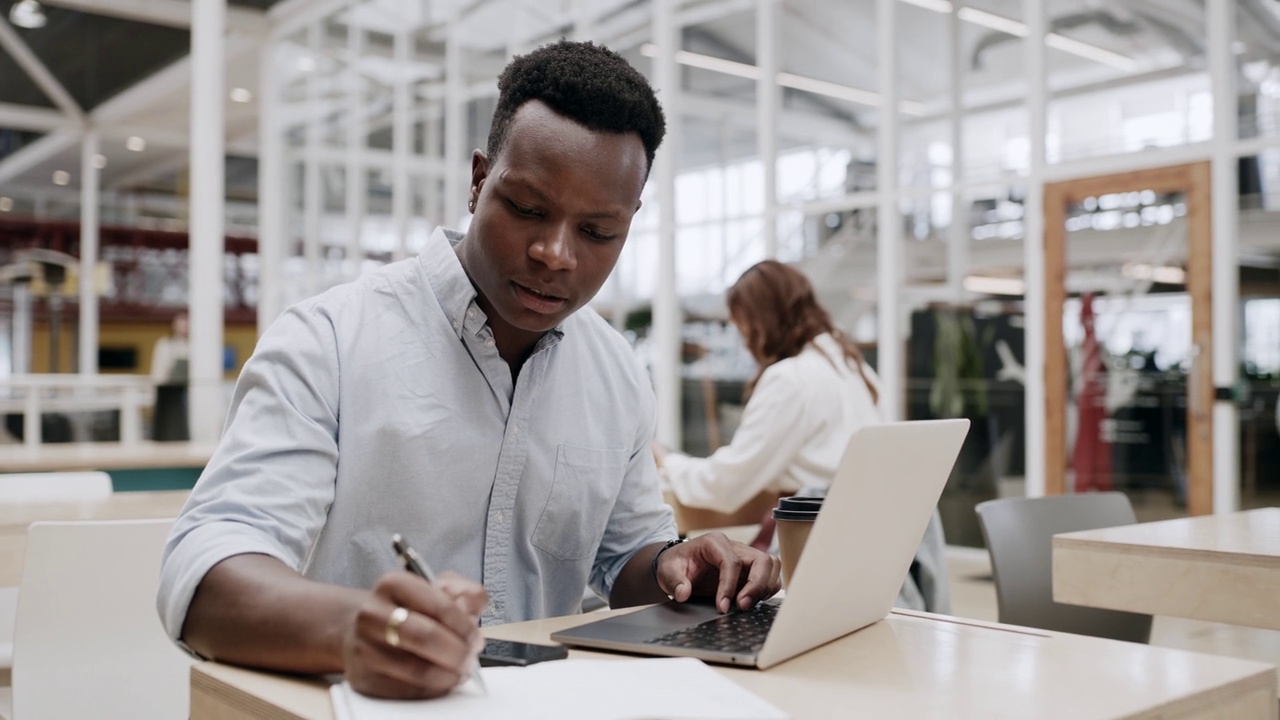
583,492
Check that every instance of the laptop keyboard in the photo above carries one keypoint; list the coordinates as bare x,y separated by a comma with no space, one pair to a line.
735,632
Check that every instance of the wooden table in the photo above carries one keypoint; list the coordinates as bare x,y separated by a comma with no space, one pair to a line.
1221,568
103,456
911,665
15,518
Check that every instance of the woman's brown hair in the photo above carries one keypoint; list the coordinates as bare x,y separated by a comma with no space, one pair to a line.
775,307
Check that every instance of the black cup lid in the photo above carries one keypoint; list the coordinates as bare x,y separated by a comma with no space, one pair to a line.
784,514
800,503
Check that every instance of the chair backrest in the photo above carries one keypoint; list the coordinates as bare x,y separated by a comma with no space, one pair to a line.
54,487
88,641
689,519
1019,535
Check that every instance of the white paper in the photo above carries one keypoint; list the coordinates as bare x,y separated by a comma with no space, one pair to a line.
646,689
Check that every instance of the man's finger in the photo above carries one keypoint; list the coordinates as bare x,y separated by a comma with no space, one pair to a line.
730,570
757,585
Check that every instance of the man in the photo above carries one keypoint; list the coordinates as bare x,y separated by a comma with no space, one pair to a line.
461,399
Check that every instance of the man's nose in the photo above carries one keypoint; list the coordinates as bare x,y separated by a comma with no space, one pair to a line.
555,248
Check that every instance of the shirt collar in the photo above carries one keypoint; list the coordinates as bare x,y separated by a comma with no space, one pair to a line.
454,291
449,282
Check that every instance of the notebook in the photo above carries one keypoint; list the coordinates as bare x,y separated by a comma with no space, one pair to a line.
571,689
853,565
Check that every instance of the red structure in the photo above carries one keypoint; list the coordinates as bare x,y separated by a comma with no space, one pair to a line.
1091,459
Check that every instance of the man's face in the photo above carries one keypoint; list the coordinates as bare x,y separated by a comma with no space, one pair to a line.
552,212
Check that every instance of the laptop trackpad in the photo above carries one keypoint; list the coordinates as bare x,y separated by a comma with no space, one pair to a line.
645,624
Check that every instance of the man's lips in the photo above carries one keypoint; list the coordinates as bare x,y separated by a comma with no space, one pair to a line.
539,302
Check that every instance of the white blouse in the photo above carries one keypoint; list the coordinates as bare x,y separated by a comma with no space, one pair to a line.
793,432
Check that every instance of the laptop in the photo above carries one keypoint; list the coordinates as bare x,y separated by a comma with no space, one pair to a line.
854,562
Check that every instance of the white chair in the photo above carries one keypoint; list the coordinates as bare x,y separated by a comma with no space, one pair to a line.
32,489
54,487
88,640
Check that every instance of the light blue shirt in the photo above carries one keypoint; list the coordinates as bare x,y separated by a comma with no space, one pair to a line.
382,406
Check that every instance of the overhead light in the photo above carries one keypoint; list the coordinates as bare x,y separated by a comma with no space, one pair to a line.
306,64
135,143
1091,52
785,79
61,177
938,6
99,161
6,204
993,21
27,14
241,95
994,285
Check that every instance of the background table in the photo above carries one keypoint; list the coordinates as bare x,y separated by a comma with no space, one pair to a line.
911,665
1222,568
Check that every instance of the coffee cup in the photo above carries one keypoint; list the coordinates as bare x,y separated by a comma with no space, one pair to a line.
794,517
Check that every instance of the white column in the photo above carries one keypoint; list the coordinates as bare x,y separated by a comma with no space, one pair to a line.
356,140
667,319
958,235
1220,17
401,144
88,364
22,314
431,141
272,231
1033,245
888,219
455,131
767,99
208,198
312,191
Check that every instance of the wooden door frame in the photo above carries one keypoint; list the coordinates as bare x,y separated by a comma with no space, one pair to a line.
1193,181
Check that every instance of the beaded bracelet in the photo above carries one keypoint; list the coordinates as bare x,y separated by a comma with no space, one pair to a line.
653,568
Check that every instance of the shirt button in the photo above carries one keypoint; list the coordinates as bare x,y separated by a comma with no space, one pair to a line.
488,341
502,517
471,313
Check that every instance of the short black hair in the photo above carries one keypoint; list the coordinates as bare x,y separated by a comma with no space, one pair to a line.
589,84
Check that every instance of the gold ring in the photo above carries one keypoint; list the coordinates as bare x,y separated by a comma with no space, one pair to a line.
396,619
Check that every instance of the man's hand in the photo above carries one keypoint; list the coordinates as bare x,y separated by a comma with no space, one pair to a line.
427,654
713,565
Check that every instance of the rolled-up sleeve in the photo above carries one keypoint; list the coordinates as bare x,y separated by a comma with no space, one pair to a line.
268,487
640,516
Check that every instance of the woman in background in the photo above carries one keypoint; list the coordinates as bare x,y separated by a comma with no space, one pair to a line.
812,390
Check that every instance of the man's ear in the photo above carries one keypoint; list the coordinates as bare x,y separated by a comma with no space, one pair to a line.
479,172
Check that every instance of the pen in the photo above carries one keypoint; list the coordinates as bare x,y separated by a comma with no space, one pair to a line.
414,563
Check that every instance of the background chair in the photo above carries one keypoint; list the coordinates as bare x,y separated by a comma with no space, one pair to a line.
689,519
54,487
36,488
88,640
1019,535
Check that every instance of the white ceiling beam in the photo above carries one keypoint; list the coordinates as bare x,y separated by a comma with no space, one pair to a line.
166,85
289,16
32,154
29,117
27,60
792,123
163,85
169,13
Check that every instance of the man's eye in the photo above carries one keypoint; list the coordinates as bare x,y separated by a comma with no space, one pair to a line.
522,210
597,235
